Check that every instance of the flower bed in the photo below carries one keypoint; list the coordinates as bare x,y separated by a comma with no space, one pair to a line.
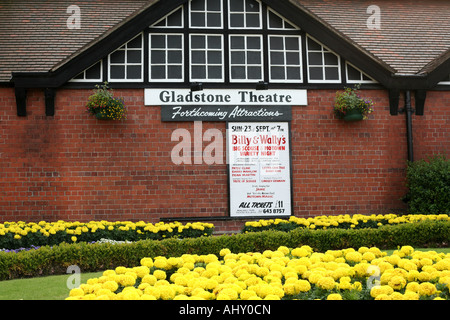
14,235
298,273
357,221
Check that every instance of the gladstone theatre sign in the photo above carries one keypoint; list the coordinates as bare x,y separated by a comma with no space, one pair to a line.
258,140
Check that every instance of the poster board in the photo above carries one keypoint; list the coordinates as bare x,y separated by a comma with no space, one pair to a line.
259,169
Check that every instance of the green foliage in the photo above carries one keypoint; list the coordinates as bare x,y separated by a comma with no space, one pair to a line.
101,256
429,186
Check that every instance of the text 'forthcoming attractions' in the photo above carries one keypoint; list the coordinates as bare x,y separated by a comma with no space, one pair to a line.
259,169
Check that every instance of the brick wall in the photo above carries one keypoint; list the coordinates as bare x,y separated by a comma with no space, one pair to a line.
74,167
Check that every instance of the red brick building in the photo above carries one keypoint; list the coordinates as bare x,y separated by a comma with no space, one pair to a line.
59,162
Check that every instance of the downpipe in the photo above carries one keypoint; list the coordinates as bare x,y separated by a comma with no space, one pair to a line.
409,137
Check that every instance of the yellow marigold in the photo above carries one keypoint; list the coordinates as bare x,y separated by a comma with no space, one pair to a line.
353,257
147,262
397,282
427,289
379,290
303,286
334,296
126,280
326,283
77,292
159,274
110,285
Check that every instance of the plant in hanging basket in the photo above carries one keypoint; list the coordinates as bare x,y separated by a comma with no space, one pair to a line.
348,105
104,105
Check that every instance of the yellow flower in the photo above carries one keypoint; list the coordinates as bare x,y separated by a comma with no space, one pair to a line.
427,289
160,274
74,239
397,282
334,296
326,283
77,292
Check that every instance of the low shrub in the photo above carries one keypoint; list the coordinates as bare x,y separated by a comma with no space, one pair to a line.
100,256
428,182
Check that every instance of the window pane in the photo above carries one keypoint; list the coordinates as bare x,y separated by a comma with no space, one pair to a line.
237,5
134,56
214,5
214,72
174,41
254,57
214,42
118,57
293,58
198,42
238,73
94,72
292,43
198,5
175,19
158,72
214,57
253,21
330,58
135,43
175,57
312,45
294,73
214,20
117,72
237,42
277,58
275,22
331,73
158,56
197,19
198,57
251,6
315,58
175,72
157,41
277,73
352,73
237,20
254,73
315,73
238,57
276,43
198,72
133,72
253,42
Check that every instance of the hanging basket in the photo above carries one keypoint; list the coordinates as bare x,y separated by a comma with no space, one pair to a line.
353,115
101,116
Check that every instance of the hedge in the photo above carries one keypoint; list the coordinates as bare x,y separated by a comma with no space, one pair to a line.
100,256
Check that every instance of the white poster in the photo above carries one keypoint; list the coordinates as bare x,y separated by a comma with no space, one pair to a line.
259,169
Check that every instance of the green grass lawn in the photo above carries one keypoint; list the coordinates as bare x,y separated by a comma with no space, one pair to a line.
55,287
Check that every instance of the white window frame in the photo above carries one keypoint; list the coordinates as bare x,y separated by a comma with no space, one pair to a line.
230,65
84,74
323,65
260,14
221,50
347,64
128,64
285,64
206,18
166,64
